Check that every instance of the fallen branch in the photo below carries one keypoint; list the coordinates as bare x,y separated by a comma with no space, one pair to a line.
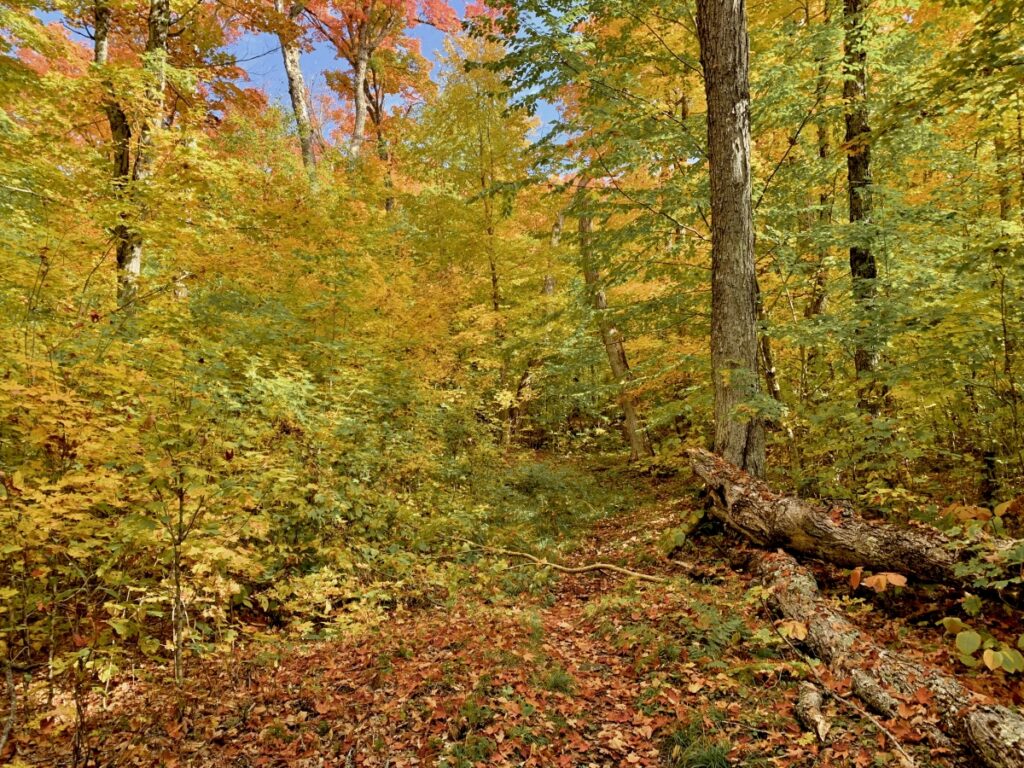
884,679
589,568
808,711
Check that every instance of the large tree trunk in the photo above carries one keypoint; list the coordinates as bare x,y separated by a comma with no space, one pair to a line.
290,52
636,432
834,534
739,435
883,678
863,270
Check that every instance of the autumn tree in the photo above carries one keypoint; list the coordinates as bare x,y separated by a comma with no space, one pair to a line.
289,35
358,29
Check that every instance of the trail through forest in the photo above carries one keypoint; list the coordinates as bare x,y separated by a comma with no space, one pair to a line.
530,668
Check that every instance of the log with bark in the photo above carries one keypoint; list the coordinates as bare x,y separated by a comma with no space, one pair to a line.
831,532
884,679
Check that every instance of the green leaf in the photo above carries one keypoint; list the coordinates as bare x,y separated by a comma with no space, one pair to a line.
993,659
1013,660
953,625
968,641
972,605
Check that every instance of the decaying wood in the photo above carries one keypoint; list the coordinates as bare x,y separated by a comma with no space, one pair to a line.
808,711
883,679
831,533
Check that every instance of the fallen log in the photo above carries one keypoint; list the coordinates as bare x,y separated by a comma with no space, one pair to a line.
829,532
884,679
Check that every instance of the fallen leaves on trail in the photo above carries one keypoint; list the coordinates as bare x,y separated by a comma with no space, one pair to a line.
593,670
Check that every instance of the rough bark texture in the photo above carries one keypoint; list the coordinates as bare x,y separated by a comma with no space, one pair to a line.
834,534
863,270
636,432
721,27
882,678
290,52
808,708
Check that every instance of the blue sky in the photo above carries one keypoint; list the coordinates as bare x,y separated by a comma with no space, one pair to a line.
260,56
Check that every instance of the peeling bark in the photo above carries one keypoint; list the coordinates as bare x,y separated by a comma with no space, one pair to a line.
881,678
833,534
291,55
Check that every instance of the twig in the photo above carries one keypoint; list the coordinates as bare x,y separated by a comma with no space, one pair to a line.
569,569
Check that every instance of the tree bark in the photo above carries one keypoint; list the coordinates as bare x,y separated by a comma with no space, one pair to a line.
120,145
739,436
831,533
883,678
129,246
863,269
291,54
362,64
636,432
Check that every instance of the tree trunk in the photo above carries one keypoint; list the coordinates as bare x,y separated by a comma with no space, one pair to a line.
831,533
129,247
863,270
739,436
120,148
362,64
636,432
290,52
883,678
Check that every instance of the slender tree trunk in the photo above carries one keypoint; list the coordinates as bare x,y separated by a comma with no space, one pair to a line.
120,148
636,432
863,269
819,294
722,29
291,54
129,248
818,300
362,65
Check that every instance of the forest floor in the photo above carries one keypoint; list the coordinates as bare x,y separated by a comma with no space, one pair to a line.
572,670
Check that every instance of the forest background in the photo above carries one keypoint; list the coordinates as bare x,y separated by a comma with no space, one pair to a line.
267,359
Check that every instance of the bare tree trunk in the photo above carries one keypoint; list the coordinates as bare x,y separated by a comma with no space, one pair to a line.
636,432
362,65
818,301
290,52
883,678
120,147
831,533
129,247
863,269
722,29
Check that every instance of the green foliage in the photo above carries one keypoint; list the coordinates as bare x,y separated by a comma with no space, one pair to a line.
691,746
